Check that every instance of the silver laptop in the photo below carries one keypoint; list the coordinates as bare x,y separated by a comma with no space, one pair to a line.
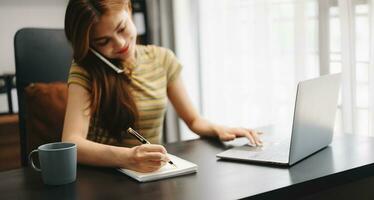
312,126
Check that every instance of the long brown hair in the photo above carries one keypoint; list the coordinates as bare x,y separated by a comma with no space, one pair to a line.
111,100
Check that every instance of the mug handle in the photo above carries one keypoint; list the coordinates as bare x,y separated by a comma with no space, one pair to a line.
32,162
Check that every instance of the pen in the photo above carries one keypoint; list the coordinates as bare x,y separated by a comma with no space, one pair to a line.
143,140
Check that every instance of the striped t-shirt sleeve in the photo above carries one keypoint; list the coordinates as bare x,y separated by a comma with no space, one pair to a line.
78,75
170,62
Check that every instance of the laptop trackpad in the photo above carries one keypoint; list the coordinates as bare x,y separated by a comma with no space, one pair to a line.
271,151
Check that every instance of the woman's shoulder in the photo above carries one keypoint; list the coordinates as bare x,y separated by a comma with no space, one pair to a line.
75,68
78,75
151,50
147,47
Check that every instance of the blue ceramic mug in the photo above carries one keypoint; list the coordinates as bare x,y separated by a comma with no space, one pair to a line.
58,162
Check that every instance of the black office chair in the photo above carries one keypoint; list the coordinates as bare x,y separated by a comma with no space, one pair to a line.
41,55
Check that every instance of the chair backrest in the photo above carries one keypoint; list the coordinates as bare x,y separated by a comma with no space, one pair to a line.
41,55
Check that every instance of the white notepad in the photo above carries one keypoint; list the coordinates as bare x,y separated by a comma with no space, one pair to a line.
183,167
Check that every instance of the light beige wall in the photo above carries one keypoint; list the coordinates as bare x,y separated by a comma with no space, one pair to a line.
16,14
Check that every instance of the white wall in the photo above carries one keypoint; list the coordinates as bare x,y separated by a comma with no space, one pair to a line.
17,14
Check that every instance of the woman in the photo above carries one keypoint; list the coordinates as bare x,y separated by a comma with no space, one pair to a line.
102,104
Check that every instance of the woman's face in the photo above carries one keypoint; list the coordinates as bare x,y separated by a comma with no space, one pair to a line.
114,35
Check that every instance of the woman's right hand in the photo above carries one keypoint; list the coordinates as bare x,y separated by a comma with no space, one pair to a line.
146,158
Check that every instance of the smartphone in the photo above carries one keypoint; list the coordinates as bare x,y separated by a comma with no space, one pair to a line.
106,61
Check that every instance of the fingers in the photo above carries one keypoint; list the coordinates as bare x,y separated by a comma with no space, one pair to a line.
227,137
154,148
254,133
149,157
155,164
156,156
147,168
151,165
249,135
153,152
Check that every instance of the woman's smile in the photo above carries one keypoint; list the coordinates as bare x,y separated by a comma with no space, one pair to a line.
124,50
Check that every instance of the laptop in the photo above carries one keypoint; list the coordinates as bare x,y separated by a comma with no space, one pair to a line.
312,126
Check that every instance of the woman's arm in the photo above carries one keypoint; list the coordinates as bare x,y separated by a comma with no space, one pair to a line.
179,98
140,158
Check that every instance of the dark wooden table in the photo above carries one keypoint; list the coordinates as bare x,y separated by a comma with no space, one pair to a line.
349,158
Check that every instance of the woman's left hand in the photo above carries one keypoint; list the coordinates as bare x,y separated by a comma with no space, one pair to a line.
226,134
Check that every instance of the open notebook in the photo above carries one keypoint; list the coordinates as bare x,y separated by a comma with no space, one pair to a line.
183,167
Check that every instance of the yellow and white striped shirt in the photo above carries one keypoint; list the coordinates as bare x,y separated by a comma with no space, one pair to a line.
156,68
